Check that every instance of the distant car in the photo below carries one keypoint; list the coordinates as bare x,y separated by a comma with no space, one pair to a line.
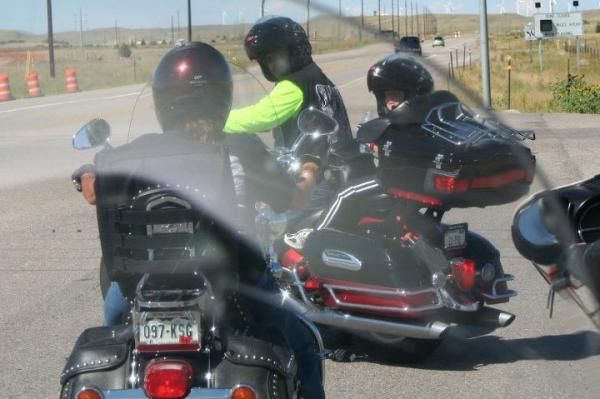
409,44
438,41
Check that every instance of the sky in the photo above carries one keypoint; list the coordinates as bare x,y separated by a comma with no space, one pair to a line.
30,15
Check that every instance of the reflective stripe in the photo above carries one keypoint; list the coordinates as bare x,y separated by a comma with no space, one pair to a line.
343,195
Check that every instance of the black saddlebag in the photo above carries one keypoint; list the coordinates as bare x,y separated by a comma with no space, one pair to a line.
270,368
100,359
340,256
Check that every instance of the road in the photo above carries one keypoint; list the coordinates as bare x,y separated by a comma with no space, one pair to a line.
49,255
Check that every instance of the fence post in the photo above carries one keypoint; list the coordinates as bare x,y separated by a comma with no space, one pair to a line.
509,68
451,65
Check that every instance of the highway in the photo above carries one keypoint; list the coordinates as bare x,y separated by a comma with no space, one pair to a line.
49,252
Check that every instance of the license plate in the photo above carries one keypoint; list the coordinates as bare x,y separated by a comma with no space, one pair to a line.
168,329
455,236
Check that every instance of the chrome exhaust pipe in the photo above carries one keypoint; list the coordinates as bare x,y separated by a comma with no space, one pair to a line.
492,317
332,318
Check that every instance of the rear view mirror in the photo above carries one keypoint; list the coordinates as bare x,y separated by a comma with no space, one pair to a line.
316,123
93,134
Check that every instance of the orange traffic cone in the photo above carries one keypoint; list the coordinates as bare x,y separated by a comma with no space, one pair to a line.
33,85
5,93
71,79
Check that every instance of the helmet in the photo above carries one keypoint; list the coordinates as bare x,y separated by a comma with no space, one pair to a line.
192,82
398,72
274,33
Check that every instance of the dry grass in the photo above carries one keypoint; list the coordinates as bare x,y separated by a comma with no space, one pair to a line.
531,89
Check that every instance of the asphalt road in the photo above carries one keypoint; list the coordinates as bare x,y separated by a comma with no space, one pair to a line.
49,256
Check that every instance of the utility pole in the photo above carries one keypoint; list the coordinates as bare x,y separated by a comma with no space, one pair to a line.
392,14
262,8
362,17
80,28
379,15
405,10
189,32
417,16
116,34
178,25
412,18
50,39
485,55
339,22
307,18
172,31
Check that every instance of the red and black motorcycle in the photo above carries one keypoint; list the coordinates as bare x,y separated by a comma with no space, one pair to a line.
392,272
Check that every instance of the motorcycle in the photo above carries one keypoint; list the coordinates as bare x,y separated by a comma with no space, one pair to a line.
189,333
399,276
558,230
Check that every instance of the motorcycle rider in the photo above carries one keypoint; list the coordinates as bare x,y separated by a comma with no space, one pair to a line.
192,90
284,53
394,81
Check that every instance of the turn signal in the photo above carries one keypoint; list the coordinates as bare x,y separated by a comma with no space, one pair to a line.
450,184
464,272
168,379
243,392
89,393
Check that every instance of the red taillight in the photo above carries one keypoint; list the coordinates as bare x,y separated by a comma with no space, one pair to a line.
291,258
464,272
502,179
450,184
425,200
168,379
312,284
243,392
89,393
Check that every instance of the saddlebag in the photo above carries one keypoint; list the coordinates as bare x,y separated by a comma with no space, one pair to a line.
99,359
268,367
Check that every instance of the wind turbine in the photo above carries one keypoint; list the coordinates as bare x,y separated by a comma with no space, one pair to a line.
449,7
501,7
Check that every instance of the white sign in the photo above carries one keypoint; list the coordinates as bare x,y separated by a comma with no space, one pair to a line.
529,32
567,24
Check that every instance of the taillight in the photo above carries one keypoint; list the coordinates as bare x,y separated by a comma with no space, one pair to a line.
243,392
89,393
450,184
464,272
168,379
291,258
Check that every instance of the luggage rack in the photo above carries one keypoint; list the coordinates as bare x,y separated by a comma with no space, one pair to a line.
456,124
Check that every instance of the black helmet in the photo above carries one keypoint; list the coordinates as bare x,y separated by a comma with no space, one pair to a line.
274,33
192,82
398,72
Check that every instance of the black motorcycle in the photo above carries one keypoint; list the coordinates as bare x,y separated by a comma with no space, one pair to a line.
558,230
188,333
396,275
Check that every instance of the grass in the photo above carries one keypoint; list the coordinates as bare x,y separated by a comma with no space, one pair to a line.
531,89
99,68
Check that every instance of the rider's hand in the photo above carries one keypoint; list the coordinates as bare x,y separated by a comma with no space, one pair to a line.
306,182
88,181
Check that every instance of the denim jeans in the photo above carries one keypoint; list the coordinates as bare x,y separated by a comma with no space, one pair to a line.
115,305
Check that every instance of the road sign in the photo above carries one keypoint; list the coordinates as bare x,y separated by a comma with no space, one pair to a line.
567,24
529,32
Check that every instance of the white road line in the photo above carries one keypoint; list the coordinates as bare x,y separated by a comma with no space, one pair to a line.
30,107
353,81
121,95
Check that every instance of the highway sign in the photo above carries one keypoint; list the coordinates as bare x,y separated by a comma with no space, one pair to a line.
566,24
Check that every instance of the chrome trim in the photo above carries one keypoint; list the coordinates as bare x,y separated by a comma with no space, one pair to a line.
494,295
396,293
195,393
341,260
